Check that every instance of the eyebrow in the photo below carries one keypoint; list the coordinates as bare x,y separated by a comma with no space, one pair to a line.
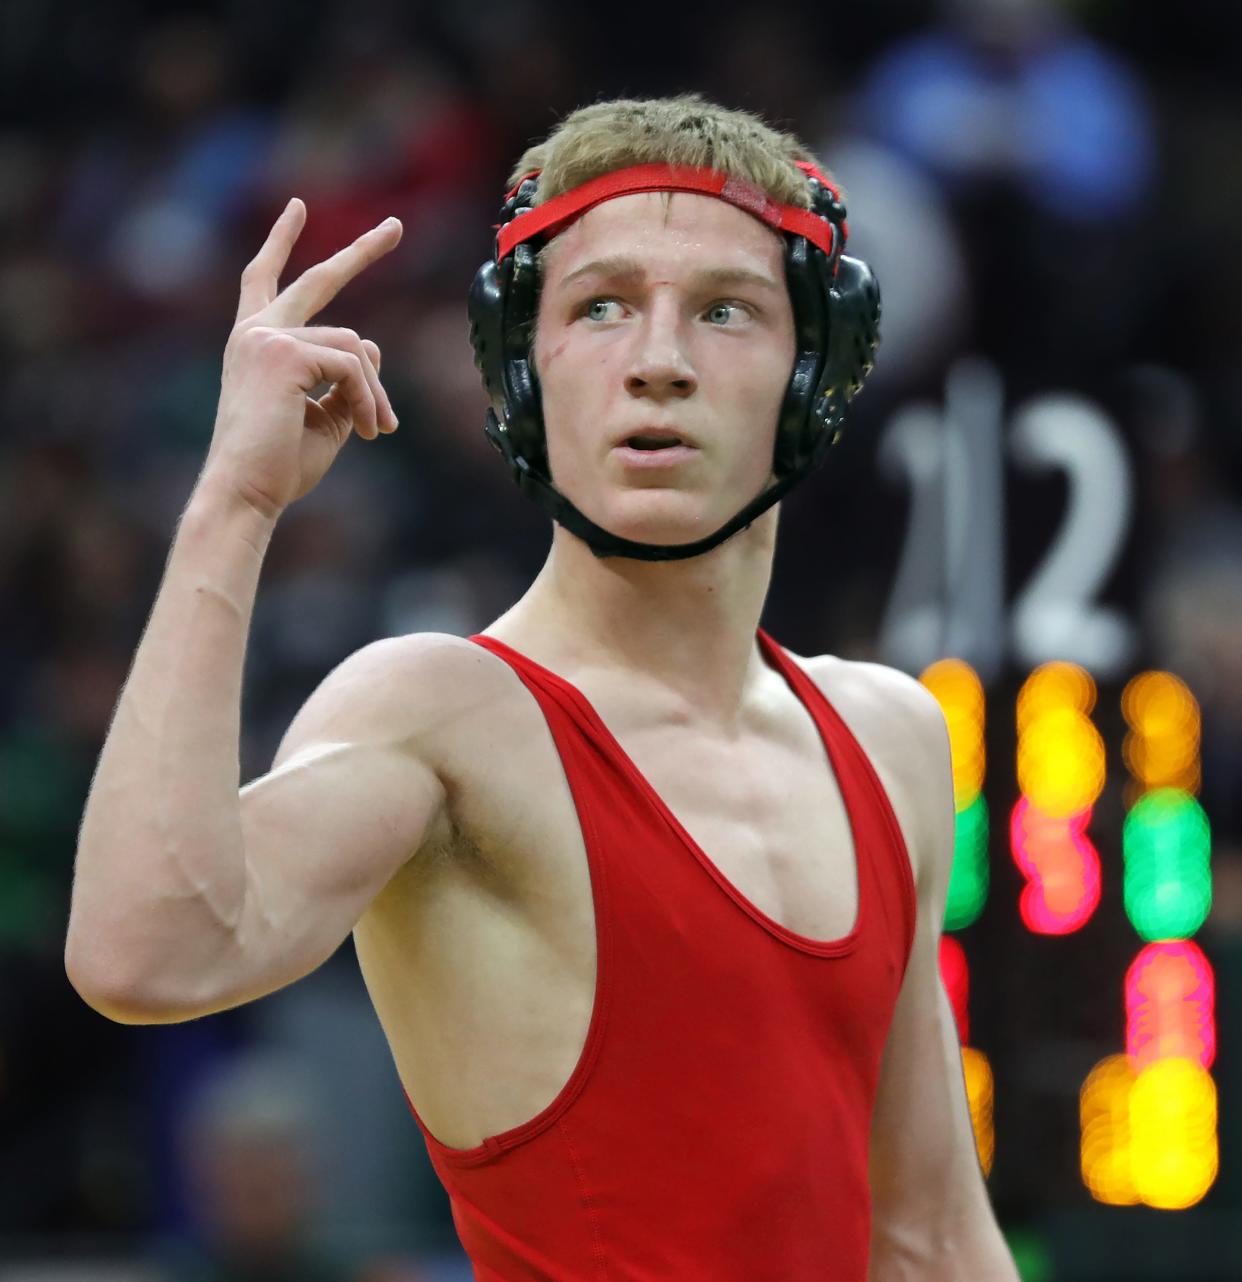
619,267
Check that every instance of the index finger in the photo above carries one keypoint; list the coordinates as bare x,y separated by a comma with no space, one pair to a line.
316,287
262,272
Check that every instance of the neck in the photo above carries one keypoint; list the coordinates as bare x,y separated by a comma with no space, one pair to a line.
688,625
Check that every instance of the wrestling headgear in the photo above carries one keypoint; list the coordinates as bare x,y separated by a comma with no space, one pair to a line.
836,309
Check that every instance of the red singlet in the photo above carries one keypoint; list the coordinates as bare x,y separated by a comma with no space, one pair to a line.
716,1126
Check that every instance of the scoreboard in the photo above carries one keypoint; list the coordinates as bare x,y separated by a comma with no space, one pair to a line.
1089,799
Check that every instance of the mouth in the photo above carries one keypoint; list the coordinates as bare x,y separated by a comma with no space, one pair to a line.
653,442
651,438
643,451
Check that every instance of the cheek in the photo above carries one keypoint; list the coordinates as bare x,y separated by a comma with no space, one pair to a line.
565,404
555,387
760,378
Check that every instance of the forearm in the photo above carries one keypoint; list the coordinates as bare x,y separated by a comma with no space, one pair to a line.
160,874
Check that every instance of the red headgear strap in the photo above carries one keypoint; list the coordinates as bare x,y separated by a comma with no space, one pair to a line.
554,215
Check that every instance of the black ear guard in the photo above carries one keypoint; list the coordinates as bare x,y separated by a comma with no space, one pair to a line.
836,307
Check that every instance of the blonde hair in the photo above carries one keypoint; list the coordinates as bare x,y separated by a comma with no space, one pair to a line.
685,130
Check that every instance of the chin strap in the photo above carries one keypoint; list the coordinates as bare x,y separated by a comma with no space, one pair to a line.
541,491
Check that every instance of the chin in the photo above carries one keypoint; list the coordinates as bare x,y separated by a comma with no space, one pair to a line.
659,515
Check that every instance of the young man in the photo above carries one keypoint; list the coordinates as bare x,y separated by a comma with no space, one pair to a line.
648,908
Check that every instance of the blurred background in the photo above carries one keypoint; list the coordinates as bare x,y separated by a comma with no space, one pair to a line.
1035,507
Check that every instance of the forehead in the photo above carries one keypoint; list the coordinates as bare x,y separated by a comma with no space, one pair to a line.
666,229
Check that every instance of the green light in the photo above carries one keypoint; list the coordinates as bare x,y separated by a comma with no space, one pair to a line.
1031,1255
1167,845
968,882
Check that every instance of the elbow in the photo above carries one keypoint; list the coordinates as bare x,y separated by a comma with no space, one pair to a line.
109,989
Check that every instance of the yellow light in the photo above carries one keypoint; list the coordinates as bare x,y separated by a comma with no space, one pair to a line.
980,1092
1174,1150
1104,1113
1055,686
1061,762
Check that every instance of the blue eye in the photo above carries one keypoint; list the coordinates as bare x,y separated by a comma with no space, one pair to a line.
719,313
596,309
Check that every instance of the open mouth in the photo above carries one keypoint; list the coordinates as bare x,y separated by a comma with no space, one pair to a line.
652,442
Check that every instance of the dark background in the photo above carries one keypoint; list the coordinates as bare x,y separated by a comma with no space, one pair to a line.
1052,189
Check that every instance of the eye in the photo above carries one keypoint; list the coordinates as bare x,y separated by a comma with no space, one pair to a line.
597,309
720,313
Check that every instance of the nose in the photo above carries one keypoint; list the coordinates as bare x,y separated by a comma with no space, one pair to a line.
659,366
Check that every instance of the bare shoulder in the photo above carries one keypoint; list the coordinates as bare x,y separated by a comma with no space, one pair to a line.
882,703
417,690
902,729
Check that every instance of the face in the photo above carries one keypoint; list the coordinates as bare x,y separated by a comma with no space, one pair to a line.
661,319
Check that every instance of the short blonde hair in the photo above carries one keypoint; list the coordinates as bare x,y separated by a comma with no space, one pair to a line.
685,130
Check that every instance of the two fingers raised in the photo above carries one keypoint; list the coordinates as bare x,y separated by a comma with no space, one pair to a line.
324,353
316,287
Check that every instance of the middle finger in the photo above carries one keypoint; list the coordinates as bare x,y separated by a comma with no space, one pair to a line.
316,287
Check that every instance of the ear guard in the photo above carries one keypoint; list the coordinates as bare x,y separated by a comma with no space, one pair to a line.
836,308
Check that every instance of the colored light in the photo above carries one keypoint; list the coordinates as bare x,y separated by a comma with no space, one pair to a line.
1031,1255
968,878
980,1092
1162,748
1170,1005
1061,866
959,692
955,975
1055,686
1166,847
1170,988
1174,1151
1061,762
1104,1114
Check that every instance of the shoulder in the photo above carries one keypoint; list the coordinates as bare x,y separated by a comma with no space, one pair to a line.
901,728
411,689
885,704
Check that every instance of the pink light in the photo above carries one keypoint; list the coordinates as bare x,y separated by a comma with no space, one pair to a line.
1171,1004
1061,866
955,975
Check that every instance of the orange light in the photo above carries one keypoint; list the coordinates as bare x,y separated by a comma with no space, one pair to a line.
980,1092
1104,1114
959,692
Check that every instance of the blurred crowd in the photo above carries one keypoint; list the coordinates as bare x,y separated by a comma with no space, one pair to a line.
1052,187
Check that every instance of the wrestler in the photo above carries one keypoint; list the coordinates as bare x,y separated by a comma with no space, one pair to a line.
648,907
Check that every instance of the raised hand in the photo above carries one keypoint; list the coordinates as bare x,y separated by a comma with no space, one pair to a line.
272,441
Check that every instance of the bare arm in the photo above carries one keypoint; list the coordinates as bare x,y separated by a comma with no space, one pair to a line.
188,897
932,1220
